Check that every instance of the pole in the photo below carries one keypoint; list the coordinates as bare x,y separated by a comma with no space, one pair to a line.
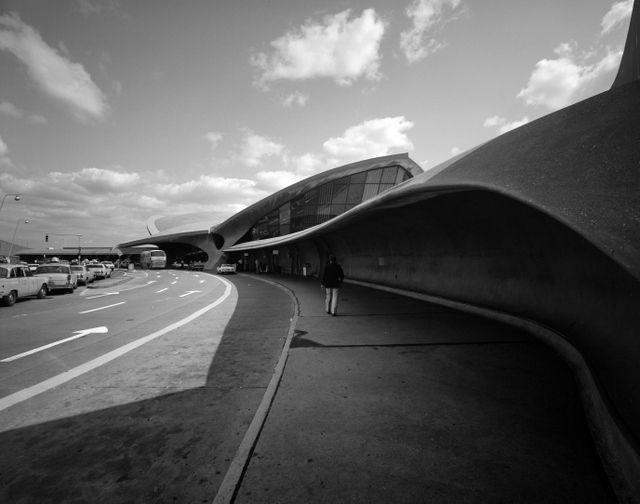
16,197
14,236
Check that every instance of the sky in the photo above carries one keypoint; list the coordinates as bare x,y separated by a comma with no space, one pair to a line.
115,111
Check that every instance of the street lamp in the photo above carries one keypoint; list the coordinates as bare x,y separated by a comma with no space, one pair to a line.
16,197
14,235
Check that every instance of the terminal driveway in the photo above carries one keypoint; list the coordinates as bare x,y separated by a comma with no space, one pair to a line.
395,400
159,423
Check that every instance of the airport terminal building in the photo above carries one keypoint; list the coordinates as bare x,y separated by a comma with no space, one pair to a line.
539,228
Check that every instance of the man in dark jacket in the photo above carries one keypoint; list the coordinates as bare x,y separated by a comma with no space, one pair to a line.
332,279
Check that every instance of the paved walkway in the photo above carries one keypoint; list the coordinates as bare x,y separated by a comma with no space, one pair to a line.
398,400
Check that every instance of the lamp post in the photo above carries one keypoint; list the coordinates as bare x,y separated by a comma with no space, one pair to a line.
14,235
16,197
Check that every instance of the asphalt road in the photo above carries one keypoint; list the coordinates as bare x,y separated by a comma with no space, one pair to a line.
150,399
41,338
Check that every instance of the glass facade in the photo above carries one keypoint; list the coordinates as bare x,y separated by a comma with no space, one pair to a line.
327,201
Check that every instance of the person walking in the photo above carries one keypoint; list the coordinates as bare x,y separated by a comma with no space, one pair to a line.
332,279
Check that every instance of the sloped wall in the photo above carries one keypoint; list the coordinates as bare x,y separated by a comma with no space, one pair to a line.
489,250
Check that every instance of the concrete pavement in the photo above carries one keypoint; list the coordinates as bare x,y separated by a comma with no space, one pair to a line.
395,400
399,400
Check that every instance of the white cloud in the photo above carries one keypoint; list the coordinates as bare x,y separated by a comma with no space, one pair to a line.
104,180
206,188
10,110
503,124
111,205
255,148
427,16
556,83
4,150
494,121
296,98
214,138
376,137
275,180
309,164
337,48
617,14
53,73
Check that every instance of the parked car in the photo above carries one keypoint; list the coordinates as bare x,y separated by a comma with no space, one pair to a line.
85,276
225,269
110,266
99,270
17,281
59,275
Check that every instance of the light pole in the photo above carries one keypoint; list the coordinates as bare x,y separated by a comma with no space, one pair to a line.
14,235
16,197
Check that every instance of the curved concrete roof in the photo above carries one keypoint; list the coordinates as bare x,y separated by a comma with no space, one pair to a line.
574,164
164,229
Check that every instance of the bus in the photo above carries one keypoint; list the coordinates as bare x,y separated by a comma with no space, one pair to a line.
153,259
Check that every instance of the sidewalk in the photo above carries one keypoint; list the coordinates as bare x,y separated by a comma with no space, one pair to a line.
398,400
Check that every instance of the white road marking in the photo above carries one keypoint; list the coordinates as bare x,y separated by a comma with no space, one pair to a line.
202,281
69,375
174,282
102,307
103,295
189,293
78,334
162,290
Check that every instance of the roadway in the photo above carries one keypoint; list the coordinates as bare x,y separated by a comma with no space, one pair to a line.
42,338
394,400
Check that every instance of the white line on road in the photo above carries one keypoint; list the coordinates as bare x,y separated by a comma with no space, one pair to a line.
162,290
174,282
188,293
79,334
69,375
103,295
102,307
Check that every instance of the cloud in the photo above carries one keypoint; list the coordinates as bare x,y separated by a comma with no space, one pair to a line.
503,124
376,137
52,72
275,180
4,150
427,16
337,48
111,205
214,138
556,83
296,98
255,148
617,14
104,180
10,110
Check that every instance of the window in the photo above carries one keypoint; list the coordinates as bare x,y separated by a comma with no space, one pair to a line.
327,201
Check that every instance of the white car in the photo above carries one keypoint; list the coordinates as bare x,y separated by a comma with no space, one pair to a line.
225,269
17,281
85,276
100,270
110,266
60,276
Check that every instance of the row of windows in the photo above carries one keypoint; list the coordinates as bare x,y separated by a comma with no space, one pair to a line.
327,201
